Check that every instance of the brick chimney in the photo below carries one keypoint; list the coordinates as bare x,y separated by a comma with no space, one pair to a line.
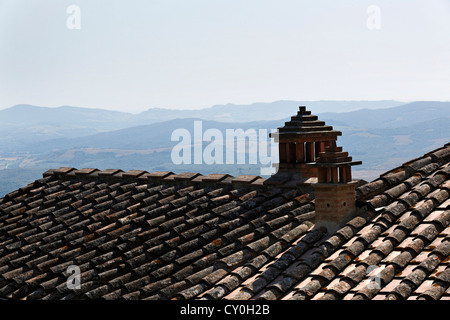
335,191
300,141
310,160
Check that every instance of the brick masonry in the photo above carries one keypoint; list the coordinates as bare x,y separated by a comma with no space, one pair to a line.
334,202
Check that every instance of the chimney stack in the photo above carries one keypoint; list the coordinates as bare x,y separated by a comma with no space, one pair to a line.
310,159
335,197
300,142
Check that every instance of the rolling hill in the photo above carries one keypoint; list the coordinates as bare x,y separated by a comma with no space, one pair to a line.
381,138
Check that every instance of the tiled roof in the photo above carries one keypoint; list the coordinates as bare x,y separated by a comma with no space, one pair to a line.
402,244
140,235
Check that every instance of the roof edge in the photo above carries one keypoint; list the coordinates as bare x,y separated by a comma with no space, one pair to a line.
168,178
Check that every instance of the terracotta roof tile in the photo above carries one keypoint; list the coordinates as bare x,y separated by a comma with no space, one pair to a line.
140,235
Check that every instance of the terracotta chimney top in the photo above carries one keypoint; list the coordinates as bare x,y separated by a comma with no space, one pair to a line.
335,197
308,151
301,140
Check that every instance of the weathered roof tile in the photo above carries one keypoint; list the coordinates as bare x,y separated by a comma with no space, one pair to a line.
140,235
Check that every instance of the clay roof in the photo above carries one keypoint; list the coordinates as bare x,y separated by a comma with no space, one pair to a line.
140,235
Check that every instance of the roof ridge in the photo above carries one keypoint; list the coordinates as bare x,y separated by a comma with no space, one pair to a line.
183,178
167,177
399,174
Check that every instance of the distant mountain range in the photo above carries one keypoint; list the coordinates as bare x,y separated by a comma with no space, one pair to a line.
70,121
382,134
400,116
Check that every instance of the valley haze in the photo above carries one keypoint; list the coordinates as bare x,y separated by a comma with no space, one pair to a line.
382,134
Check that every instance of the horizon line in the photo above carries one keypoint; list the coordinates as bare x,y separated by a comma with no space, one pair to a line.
212,106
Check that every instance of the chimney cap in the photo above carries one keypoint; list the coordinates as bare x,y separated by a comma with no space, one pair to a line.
305,124
333,164
333,157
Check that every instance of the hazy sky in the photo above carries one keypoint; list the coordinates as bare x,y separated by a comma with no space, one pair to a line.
131,55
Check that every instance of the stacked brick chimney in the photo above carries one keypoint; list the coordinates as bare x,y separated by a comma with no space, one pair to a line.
335,191
307,149
301,140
